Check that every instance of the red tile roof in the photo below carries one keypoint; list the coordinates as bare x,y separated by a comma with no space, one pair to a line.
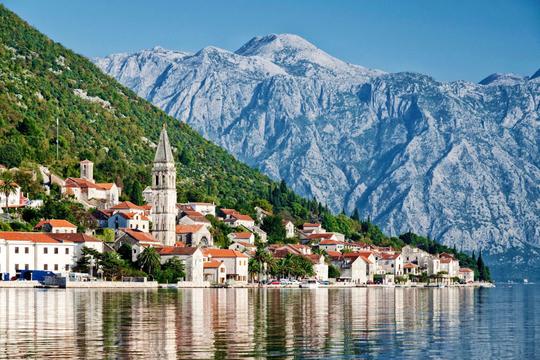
86,184
126,205
334,254
410,266
322,236
223,253
467,270
55,223
141,236
242,217
311,225
389,256
242,235
245,244
212,264
188,229
175,250
77,237
34,237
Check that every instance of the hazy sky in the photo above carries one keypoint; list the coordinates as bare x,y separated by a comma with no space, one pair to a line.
449,40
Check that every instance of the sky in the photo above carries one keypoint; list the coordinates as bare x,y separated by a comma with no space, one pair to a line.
449,40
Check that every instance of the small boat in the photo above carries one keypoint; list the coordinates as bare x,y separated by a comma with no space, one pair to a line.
441,286
525,281
310,284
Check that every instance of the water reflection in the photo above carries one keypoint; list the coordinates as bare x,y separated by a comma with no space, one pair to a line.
229,323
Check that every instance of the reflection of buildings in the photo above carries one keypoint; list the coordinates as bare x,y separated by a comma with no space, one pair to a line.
232,323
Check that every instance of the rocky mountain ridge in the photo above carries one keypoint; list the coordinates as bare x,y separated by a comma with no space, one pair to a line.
457,161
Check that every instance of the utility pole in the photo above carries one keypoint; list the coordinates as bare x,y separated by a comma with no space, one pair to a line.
57,126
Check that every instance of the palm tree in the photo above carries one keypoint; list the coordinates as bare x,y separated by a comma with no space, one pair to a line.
257,262
7,186
149,260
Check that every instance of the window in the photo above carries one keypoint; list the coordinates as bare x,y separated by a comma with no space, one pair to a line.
16,267
56,250
55,267
67,251
26,267
46,267
67,267
222,269
26,250
16,249
45,250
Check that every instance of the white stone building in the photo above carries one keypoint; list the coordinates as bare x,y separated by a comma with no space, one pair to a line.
56,226
194,235
235,262
89,193
289,229
42,251
192,258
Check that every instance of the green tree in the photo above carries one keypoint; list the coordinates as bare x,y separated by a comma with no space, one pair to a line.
149,261
273,226
125,251
333,272
172,271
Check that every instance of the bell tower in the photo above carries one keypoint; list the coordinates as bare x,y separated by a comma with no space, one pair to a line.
164,192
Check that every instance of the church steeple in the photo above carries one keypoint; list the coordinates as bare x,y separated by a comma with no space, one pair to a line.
164,192
163,152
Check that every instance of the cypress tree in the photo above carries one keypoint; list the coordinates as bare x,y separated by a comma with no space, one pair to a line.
356,215
481,267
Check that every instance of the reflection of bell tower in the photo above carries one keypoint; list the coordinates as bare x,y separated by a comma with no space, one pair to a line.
164,192
87,170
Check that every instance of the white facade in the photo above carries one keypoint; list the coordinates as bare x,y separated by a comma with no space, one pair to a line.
235,262
135,221
193,262
39,251
289,229
203,208
164,188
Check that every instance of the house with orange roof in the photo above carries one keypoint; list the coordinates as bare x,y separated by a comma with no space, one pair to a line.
358,267
236,263
390,263
215,272
449,264
410,269
89,193
194,235
466,275
192,257
244,236
201,207
129,220
42,251
56,226
242,246
192,217
330,243
237,219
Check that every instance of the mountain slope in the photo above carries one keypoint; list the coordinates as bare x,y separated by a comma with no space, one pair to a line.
41,81
458,161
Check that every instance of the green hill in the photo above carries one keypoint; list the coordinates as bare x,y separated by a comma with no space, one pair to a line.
41,81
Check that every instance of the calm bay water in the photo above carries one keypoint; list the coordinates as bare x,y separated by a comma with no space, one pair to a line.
256,323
